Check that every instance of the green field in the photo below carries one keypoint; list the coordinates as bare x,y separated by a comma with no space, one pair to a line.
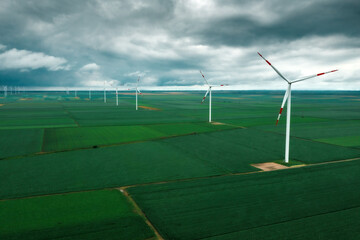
307,203
87,215
57,139
60,155
26,141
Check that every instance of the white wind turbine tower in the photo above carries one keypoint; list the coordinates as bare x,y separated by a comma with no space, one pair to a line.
117,96
208,92
90,94
287,97
5,91
137,91
104,91
116,93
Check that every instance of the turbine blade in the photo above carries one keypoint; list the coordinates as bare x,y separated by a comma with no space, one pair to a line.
312,76
138,90
204,78
282,105
137,82
205,95
277,71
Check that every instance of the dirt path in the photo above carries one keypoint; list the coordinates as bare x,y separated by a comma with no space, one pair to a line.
140,212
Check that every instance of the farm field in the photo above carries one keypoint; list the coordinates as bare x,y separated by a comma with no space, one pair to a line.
272,205
192,179
87,215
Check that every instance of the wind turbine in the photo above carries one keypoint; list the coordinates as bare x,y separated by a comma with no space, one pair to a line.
89,94
208,92
287,97
116,93
104,91
137,91
5,91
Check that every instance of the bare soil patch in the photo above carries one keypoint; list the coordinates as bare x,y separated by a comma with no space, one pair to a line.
153,94
217,123
269,166
150,108
25,99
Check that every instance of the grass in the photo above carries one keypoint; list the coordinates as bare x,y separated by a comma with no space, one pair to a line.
348,141
318,202
99,168
26,141
196,155
86,215
253,205
57,139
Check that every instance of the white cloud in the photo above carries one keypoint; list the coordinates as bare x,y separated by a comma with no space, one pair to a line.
90,75
136,74
27,60
2,47
90,67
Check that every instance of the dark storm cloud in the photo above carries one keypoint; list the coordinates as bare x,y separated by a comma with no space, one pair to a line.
304,19
168,41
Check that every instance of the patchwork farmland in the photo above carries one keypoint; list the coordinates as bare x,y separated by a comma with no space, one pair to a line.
74,168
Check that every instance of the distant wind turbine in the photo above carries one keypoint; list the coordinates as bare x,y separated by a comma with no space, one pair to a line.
287,97
137,91
104,91
209,92
116,94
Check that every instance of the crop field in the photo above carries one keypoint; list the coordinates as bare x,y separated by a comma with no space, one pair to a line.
86,215
79,168
272,205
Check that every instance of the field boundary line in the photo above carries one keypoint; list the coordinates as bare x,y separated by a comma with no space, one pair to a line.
176,180
139,211
337,161
189,179
70,115
281,222
308,139
114,145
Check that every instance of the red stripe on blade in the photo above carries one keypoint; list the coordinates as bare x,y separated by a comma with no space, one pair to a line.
280,110
268,62
277,122
319,74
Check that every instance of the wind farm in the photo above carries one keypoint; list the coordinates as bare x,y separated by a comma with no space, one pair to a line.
78,148
108,131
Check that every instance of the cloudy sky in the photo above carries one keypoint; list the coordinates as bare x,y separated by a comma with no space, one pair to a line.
82,43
